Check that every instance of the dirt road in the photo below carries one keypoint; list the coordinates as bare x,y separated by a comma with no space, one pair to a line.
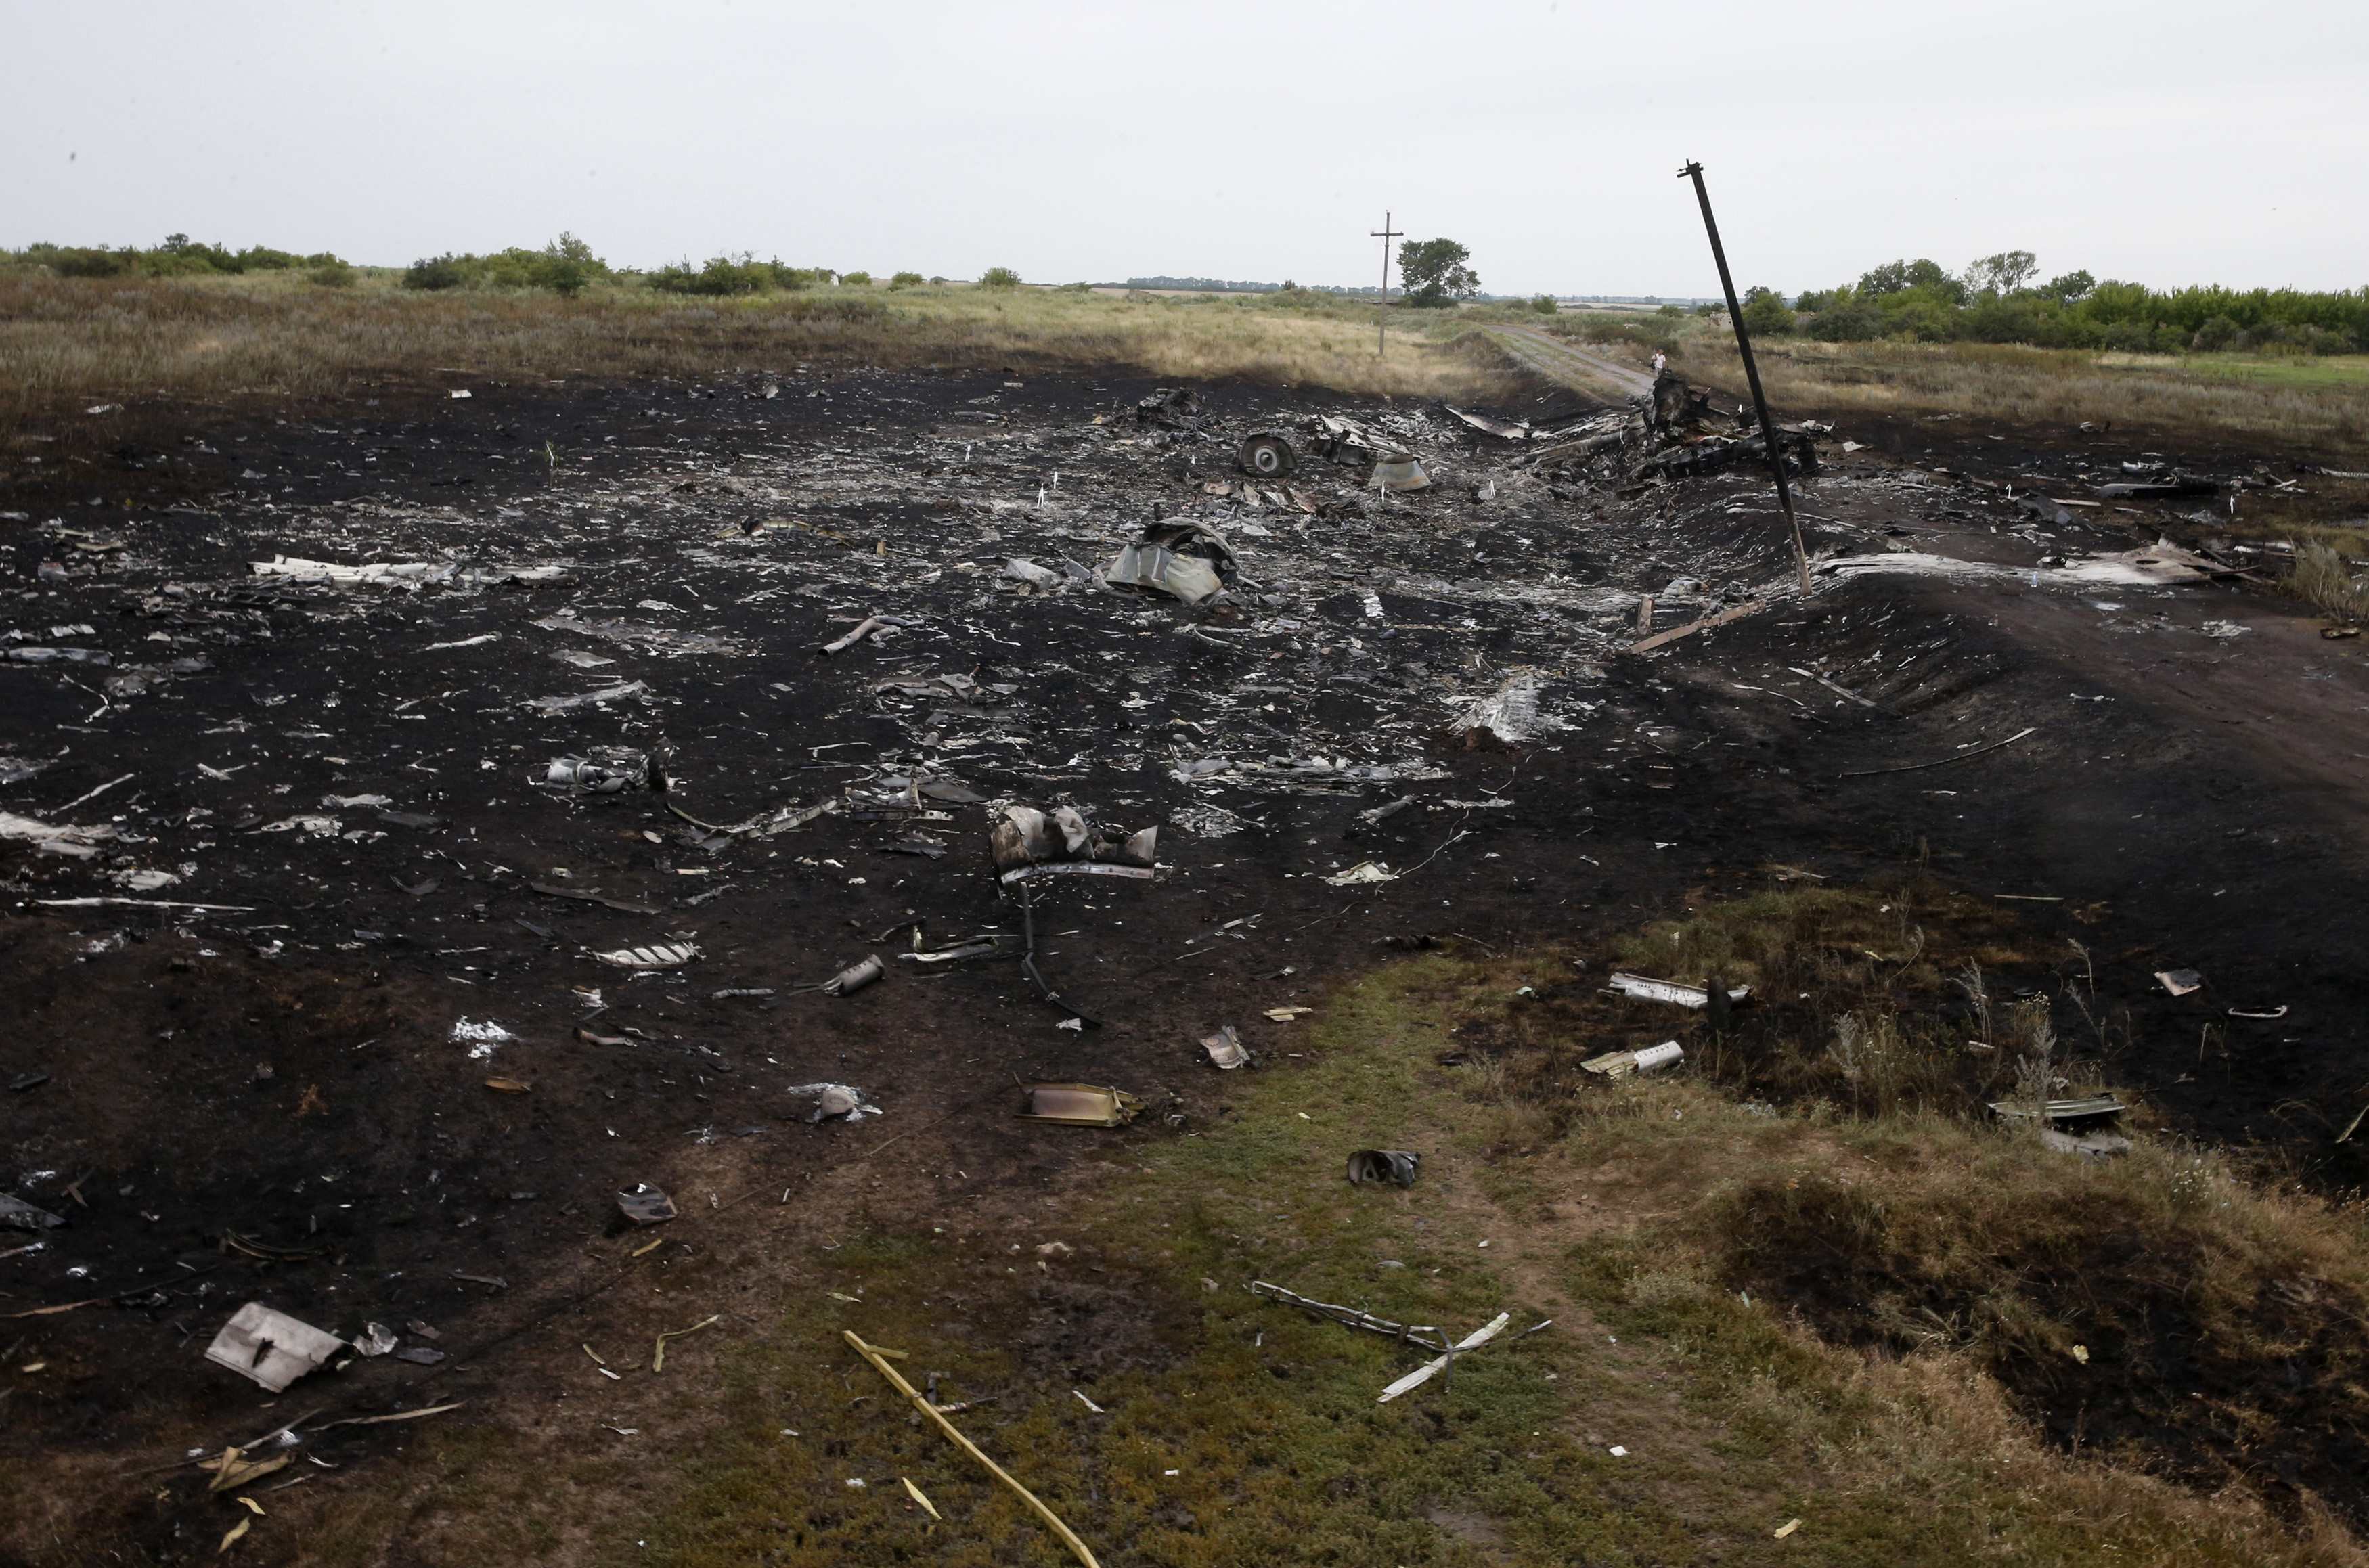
1564,363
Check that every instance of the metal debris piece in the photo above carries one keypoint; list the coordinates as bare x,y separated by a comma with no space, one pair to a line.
1507,717
1226,1049
1400,474
1502,430
2180,982
836,1102
1379,1167
987,945
1174,408
1042,578
1267,454
1364,872
18,1215
1184,559
1026,843
2087,1108
269,1347
1621,1064
664,956
1645,989
609,770
1426,1372
376,1339
855,977
1079,1105
643,1204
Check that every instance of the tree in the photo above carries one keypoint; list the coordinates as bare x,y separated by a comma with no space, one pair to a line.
1765,313
999,277
2069,287
1899,277
1545,304
2002,273
1436,273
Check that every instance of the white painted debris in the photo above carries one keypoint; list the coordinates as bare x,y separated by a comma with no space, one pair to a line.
1645,989
375,572
78,843
835,1101
1364,872
664,956
2180,982
315,826
271,1348
582,699
1507,716
1432,1368
1621,1064
480,1036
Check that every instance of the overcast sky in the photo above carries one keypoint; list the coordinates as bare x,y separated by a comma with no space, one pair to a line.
2169,141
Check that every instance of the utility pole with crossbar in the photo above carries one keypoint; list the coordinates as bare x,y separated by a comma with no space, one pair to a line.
1382,331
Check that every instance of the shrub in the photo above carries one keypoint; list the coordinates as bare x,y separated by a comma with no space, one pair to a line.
84,261
446,272
1767,314
332,274
905,280
2216,333
999,277
856,280
720,276
1545,304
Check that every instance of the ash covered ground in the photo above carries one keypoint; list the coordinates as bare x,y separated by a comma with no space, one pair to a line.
284,1096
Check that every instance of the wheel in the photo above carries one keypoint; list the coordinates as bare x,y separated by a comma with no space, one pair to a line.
1269,457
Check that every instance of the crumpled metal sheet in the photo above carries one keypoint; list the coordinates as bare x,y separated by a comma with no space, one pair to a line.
1184,559
1080,1104
269,1347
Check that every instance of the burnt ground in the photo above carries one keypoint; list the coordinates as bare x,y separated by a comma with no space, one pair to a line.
266,1100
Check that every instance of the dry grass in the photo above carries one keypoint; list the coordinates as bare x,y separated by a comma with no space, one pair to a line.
68,342
2322,577
2319,408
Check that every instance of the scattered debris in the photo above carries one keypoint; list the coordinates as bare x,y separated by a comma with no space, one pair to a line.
1178,557
1362,874
658,1353
271,1348
1267,454
1026,844
1226,1049
643,1204
2180,982
1079,1105
1381,1167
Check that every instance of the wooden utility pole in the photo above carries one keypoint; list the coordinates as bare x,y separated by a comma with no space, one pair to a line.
1751,374
1385,234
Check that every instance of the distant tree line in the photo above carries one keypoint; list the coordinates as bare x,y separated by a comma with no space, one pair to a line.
179,256
1999,299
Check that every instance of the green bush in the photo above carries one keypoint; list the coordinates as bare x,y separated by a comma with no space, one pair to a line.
856,280
905,280
999,277
2217,334
332,274
1765,313
1545,304
720,276
438,272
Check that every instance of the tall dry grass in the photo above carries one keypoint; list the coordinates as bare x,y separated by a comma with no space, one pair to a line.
67,342
2326,414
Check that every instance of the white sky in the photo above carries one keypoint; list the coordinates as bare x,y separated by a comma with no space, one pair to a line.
2168,142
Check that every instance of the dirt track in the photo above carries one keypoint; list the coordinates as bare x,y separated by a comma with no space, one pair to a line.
288,1074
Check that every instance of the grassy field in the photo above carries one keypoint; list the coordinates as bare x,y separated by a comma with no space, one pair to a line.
66,343
1805,1308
